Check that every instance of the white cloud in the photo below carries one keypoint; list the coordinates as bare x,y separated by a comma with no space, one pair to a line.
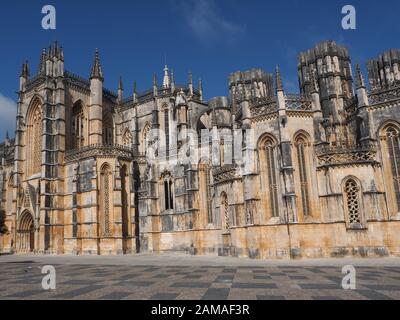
8,113
207,22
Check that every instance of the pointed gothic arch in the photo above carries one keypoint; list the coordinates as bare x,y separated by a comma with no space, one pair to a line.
79,125
353,202
34,135
26,233
127,138
302,144
146,136
267,165
390,142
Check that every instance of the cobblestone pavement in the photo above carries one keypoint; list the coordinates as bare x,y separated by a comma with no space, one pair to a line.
196,279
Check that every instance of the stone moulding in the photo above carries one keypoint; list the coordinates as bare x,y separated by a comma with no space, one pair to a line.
98,150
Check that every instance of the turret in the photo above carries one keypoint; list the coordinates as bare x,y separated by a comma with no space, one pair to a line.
52,62
330,65
96,102
384,71
24,77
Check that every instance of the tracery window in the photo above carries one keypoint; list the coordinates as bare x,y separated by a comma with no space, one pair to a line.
393,146
78,126
168,192
146,137
34,140
353,202
127,138
108,129
271,183
302,147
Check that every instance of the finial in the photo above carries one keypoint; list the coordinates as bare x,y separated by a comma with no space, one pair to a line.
97,72
360,83
278,78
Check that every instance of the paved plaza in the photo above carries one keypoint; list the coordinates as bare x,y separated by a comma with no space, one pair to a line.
183,277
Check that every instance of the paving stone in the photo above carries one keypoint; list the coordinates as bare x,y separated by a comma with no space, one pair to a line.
190,285
164,296
115,296
216,294
79,292
254,285
263,297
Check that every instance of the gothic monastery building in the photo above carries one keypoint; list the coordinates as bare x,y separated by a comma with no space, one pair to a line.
260,173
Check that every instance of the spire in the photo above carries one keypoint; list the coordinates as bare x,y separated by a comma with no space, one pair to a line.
97,72
278,78
360,83
25,70
166,81
120,84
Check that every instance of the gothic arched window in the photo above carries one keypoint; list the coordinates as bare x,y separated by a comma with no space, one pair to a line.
302,150
105,203
78,126
168,192
352,202
108,129
34,139
127,138
393,148
267,158
146,137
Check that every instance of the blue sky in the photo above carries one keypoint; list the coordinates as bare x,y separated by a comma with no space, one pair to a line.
212,38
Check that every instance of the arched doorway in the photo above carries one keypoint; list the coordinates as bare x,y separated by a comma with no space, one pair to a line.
26,233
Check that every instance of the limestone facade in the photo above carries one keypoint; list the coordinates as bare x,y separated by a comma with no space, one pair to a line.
261,173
